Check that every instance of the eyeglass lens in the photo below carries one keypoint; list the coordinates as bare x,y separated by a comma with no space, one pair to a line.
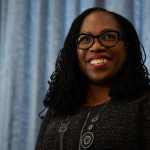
107,39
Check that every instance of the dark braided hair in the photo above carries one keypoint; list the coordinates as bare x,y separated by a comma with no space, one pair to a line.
67,86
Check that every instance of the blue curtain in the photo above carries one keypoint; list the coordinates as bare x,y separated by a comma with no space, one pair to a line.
31,33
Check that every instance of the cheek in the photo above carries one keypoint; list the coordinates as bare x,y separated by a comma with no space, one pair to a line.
120,58
81,57
123,55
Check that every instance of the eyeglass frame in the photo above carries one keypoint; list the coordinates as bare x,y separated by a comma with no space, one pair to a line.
120,36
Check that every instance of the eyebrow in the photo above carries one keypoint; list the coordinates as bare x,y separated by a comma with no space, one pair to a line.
103,31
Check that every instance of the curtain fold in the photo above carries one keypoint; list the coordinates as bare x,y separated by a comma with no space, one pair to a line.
31,34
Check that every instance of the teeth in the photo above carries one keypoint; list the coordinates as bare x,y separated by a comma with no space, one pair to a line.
98,61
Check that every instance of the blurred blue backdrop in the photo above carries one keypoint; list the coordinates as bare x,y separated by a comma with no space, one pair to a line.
31,33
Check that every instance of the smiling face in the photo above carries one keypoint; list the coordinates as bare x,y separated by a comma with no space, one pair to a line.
98,63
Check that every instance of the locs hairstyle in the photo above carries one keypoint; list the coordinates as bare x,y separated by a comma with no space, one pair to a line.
67,86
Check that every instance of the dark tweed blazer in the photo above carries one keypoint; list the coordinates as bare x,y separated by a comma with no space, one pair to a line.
117,125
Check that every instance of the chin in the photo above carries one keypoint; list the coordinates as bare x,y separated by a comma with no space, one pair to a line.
100,81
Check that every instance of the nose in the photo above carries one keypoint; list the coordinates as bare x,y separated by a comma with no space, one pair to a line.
97,46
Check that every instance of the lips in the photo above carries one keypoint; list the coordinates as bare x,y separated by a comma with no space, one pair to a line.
99,56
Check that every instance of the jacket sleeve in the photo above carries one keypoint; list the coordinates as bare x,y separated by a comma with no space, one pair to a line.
39,142
146,123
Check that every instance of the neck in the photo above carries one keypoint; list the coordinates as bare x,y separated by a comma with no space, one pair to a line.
97,95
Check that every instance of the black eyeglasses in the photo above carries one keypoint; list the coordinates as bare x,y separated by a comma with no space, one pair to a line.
107,39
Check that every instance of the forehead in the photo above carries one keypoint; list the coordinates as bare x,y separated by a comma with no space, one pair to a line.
99,21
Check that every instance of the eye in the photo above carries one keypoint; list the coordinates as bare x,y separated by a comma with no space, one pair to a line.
109,36
85,39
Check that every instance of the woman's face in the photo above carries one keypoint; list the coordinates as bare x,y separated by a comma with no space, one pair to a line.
99,63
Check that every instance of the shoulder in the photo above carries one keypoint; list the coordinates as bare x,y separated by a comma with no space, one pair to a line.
139,104
143,104
145,119
143,99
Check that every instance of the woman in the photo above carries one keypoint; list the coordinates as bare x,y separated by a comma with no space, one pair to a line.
98,95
